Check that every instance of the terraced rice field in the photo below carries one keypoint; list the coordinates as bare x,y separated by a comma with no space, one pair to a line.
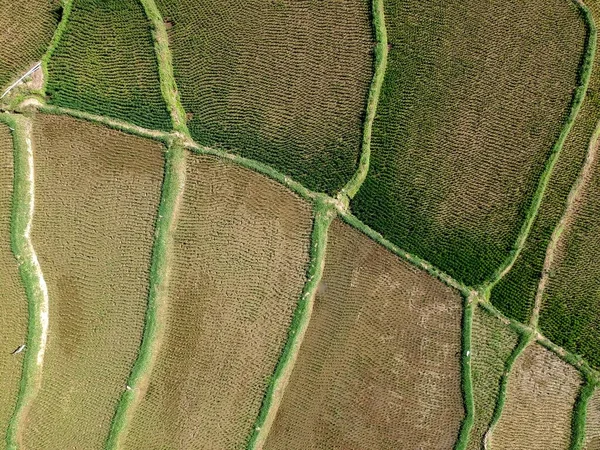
380,362
542,390
284,82
97,194
105,64
13,320
26,33
592,439
492,344
474,98
241,252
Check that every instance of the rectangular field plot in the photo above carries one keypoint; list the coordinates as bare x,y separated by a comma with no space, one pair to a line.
570,314
492,343
379,367
13,315
105,64
25,32
541,394
284,82
592,426
474,97
239,267
96,194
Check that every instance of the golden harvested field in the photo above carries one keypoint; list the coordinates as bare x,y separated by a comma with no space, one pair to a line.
380,363
25,31
13,316
541,393
492,343
97,194
241,253
592,428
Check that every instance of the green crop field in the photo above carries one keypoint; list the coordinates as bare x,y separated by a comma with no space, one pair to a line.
299,224
475,95
284,82
104,63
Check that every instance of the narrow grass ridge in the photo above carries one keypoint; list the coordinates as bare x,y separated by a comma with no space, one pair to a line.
578,97
466,376
381,55
579,418
172,192
67,6
30,271
324,215
168,86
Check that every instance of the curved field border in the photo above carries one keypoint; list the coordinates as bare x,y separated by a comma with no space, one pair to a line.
381,54
578,97
168,86
67,6
137,385
30,272
324,213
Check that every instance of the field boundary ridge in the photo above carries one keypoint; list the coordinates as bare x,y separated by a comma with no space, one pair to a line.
469,305
381,54
32,278
168,85
67,6
324,213
154,328
576,102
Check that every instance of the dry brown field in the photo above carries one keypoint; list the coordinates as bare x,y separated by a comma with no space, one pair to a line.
13,318
97,194
380,364
592,426
492,343
239,265
541,393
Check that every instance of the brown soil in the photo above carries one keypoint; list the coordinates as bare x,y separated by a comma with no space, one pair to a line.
97,193
592,426
379,367
542,390
241,251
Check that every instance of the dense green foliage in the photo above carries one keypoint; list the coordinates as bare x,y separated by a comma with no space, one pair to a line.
462,133
282,82
26,32
105,64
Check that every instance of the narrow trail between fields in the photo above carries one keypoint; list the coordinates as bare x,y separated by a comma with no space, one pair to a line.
31,275
154,324
572,200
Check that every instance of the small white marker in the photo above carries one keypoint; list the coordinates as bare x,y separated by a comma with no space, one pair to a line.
128,387
19,349
468,353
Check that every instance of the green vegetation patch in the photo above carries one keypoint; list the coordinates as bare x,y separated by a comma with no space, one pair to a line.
105,64
491,347
26,32
284,82
475,97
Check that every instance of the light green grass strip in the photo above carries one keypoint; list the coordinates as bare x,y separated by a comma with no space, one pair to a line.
381,55
466,376
578,421
578,97
30,273
412,259
67,6
168,86
525,339
172,191
324,214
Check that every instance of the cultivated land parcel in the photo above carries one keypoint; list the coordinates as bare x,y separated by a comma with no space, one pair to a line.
292,224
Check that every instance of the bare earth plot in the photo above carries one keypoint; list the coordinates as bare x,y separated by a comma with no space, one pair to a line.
13,316
97,193
26,31
542,390
284,82
475,95
492,343
240,259
380,363
592,429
